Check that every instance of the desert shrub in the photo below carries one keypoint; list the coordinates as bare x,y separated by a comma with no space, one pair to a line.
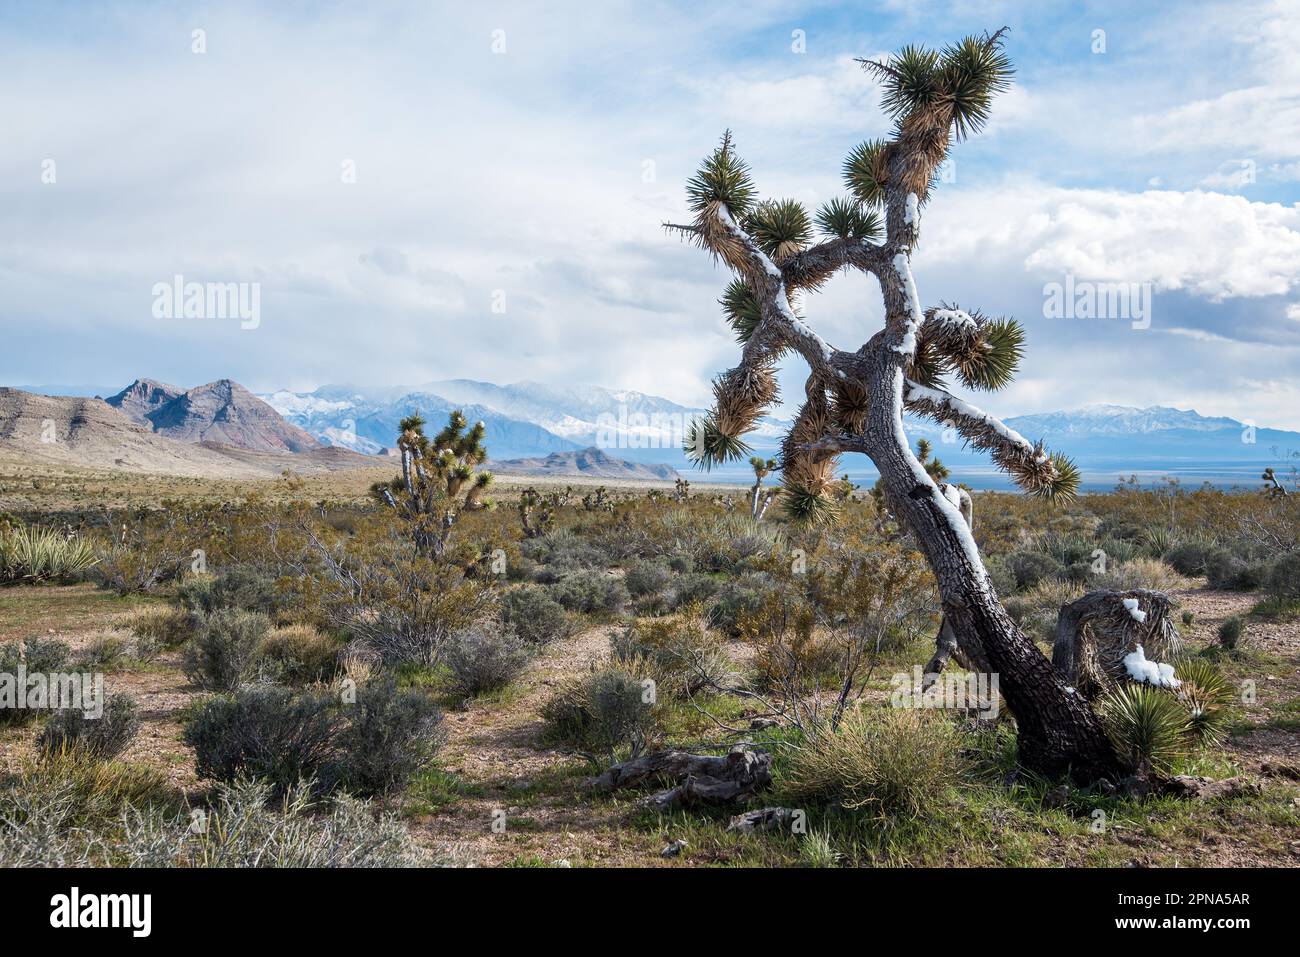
1189,558
738,597
1189,617
299,655
390,735
42,655
1231,631
590,591
1147,725
52,808
1226,570
485,658
678,653
887,762
605,711
400,607
224,652
1284,578
1207,697
681,563
161,625
75,811
138,567
102,737
1149,573
534,615
103,651
243,831
33,554
1028,568
1036,610
240,586
647,578
265,732
692,588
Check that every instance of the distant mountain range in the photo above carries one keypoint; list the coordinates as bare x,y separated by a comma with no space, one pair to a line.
588,430
527,420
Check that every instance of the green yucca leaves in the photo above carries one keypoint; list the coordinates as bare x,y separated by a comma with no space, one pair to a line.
974,71
994,366
741,309
1206,695
780,227
963,79
804,506
1147,726
1065,486
911,80
40,554
864,172
706,446
849,220
722,178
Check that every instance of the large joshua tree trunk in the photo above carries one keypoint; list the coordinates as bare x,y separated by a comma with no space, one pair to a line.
855,400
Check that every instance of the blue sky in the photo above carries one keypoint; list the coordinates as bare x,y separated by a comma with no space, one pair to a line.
536,178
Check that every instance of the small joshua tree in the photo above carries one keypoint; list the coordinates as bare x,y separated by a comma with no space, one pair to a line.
855,399
537,512
1271,485
440,479
762,469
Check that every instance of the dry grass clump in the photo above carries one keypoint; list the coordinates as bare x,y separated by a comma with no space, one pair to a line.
887,762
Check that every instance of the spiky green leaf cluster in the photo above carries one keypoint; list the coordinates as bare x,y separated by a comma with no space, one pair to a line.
975,71
741,309
805,506
912,81
849,220
1147,726
963,80
1206,695
780,227
864,172
707,446
1065,485
994,365
723,177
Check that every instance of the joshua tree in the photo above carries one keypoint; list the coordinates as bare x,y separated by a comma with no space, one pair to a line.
854,400
762,469
439,480
537,512
1271,485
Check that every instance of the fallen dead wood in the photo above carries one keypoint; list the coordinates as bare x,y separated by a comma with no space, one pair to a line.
1095,633
694,778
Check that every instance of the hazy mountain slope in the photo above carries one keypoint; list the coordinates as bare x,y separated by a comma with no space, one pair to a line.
590,463
226,412
90,433
143,397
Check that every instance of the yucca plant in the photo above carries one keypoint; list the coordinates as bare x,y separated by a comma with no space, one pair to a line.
1206,695
439,479
1148,727
32,554
856,397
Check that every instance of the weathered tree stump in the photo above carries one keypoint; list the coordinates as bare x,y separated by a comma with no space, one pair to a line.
696,778
1094,634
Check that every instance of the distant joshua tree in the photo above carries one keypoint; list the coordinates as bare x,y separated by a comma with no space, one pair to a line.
855,400
439,480
758,502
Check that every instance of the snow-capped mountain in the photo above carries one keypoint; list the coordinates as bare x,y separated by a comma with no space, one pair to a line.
527,419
